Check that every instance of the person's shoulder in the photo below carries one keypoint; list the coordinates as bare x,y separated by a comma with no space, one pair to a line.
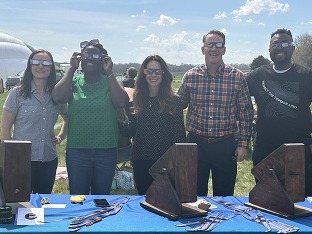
261,69
302,69
232,69
15,90
177,100
176,97
194,70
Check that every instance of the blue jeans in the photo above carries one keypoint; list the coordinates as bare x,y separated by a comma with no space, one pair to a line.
91,170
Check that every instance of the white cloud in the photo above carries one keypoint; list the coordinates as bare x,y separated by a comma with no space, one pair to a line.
165,20
139,28
197,36
256,7
152,38
173,48
310,22
144,13
220,15
244,56
249,21
261,24
237,19
224,31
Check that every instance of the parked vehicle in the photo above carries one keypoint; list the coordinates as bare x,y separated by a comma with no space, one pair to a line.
13,80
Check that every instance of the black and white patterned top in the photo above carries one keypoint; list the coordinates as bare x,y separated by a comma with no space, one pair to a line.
157,132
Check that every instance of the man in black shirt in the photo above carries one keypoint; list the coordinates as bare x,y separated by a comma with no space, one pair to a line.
283,94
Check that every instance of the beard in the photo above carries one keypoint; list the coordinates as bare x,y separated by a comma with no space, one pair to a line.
279,59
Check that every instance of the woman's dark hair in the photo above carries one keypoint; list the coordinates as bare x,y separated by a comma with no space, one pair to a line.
28,76
165,94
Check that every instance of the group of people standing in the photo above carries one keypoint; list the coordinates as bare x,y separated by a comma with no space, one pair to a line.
219,114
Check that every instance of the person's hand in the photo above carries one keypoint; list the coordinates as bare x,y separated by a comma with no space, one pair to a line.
107,65
56,140
240,154
75,60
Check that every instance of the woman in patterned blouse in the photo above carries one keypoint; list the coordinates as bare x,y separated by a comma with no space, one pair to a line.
158,118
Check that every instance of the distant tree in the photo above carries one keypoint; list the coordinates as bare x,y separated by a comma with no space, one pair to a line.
259,61
303,52
242,67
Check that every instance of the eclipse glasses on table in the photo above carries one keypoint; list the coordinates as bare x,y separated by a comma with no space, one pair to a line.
42,62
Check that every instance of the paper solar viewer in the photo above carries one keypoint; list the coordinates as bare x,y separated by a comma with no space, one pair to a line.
281,182
175,183
15,175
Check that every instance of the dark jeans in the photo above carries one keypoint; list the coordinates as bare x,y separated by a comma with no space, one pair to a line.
141,175
260,152
219,158
91,170
43,176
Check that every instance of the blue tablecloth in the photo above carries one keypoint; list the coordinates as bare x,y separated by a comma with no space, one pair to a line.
135,219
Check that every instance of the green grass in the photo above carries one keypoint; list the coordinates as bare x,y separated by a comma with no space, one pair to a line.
244,181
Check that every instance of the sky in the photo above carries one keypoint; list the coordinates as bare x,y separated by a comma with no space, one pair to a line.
131,30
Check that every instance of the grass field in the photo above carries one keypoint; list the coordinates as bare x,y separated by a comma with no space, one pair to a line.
244,181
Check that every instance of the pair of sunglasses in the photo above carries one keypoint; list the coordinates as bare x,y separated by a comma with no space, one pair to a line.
83,44
280,45
218,45
151,71
37,62
91,55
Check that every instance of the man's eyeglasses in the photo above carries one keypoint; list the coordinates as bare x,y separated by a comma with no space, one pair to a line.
280,45
151,71
83,44
37,62
91,55
218,45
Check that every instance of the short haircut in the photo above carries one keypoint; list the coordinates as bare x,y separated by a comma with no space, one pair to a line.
282,31
214,31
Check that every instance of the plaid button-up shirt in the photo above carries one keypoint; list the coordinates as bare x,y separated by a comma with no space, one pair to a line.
217,106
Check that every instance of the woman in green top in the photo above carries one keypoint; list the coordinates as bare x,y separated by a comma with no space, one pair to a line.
91,152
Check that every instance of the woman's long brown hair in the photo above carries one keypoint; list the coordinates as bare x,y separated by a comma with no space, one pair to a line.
165,96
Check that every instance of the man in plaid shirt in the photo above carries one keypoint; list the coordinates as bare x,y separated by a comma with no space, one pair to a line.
219,105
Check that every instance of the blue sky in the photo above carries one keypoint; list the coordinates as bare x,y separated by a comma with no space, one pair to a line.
133,29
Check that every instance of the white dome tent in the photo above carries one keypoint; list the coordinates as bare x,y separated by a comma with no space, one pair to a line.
13,56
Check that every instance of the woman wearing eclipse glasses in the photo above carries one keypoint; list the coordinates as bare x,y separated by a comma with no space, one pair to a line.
93,98
29,107
158,119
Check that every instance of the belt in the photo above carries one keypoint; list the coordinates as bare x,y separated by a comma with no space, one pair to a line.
212,140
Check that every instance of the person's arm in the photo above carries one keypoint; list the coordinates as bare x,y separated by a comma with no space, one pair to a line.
118,94
7,122
184,93
62,92
177,124
245,116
